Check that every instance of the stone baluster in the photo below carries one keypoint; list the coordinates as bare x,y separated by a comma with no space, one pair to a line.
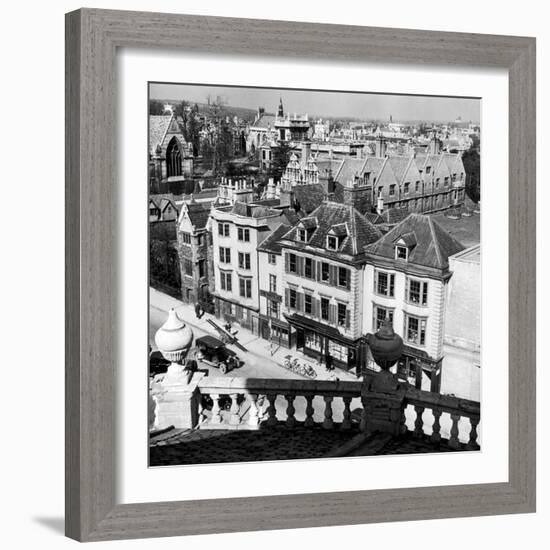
472,443
419,422
454,443
254,413
308,423
436,428
328,423
271,410
235,418
346,421
216,410
290,410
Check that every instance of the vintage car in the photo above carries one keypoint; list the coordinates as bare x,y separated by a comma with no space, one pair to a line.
213,352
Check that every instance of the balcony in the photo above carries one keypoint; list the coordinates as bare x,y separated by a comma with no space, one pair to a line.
274,419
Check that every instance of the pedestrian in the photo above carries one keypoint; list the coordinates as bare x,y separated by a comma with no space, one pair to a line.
198,310
328,361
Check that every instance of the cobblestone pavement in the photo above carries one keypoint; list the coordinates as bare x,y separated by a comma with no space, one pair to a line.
214,446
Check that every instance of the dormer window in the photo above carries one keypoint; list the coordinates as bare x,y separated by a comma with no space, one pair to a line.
403,246
306,228
332,242
336,236
401,253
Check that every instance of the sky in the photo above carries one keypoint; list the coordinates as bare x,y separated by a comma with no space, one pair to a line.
329,104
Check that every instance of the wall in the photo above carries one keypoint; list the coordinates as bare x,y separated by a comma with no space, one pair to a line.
32,461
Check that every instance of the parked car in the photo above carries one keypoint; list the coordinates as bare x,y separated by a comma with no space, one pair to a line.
213,352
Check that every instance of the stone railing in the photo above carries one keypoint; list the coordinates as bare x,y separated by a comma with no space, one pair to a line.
248,403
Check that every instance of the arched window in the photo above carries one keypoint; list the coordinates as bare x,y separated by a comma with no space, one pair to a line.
173,159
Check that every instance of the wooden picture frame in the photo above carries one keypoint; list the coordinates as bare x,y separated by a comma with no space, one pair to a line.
92,39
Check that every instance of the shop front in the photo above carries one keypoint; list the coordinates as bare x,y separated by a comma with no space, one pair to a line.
324,343
277,332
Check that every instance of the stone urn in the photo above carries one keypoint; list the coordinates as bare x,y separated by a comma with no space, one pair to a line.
174,394
174,340
381,394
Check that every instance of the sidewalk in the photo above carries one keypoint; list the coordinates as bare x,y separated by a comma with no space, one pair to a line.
255,345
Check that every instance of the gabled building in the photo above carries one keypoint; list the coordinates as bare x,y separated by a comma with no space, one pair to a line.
170,156
324,257
405,280
194,246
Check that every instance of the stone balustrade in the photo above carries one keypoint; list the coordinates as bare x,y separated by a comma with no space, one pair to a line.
248,403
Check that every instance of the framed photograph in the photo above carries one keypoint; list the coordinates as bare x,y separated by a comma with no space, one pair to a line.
300,275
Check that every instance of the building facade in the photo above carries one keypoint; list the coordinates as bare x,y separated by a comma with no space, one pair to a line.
195,261
237,230
406,280
323,258
461,344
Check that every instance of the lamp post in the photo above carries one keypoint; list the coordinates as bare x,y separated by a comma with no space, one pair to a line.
382,395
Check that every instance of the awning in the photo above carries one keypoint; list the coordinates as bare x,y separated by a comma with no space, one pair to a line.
325,330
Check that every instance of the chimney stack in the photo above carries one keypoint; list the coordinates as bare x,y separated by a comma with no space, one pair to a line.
306,152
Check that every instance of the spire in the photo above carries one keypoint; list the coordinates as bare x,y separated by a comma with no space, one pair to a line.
280,111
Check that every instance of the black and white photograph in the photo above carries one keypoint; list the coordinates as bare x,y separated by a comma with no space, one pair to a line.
314,274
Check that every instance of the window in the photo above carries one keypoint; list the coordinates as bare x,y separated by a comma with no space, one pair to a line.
324,309
244,260
380,314
273,308
332,242
225,280
202,269
308,268
302,235
200,239
225,255
292,298
446,181
428,169
342,315
392,190
406,188
187,267
343,277
223,229
417,292
384,283
292,264
245,287
243,234
271,258
308,304
272,283
401,253
436,182
173,159
417,186
325,272
186,238
415,330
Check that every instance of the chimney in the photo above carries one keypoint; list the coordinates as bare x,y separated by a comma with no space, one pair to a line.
306,152
435,145
381,146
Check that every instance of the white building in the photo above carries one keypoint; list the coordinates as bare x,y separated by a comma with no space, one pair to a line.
461,344
405,280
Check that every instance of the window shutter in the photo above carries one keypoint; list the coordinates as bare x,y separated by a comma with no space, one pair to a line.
347,319
348,278
299,301
300,265
332,275
313,270
286,262
287,300
332,314
318,271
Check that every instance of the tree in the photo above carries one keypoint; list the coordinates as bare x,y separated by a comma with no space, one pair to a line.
281,157
471,162
156,107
